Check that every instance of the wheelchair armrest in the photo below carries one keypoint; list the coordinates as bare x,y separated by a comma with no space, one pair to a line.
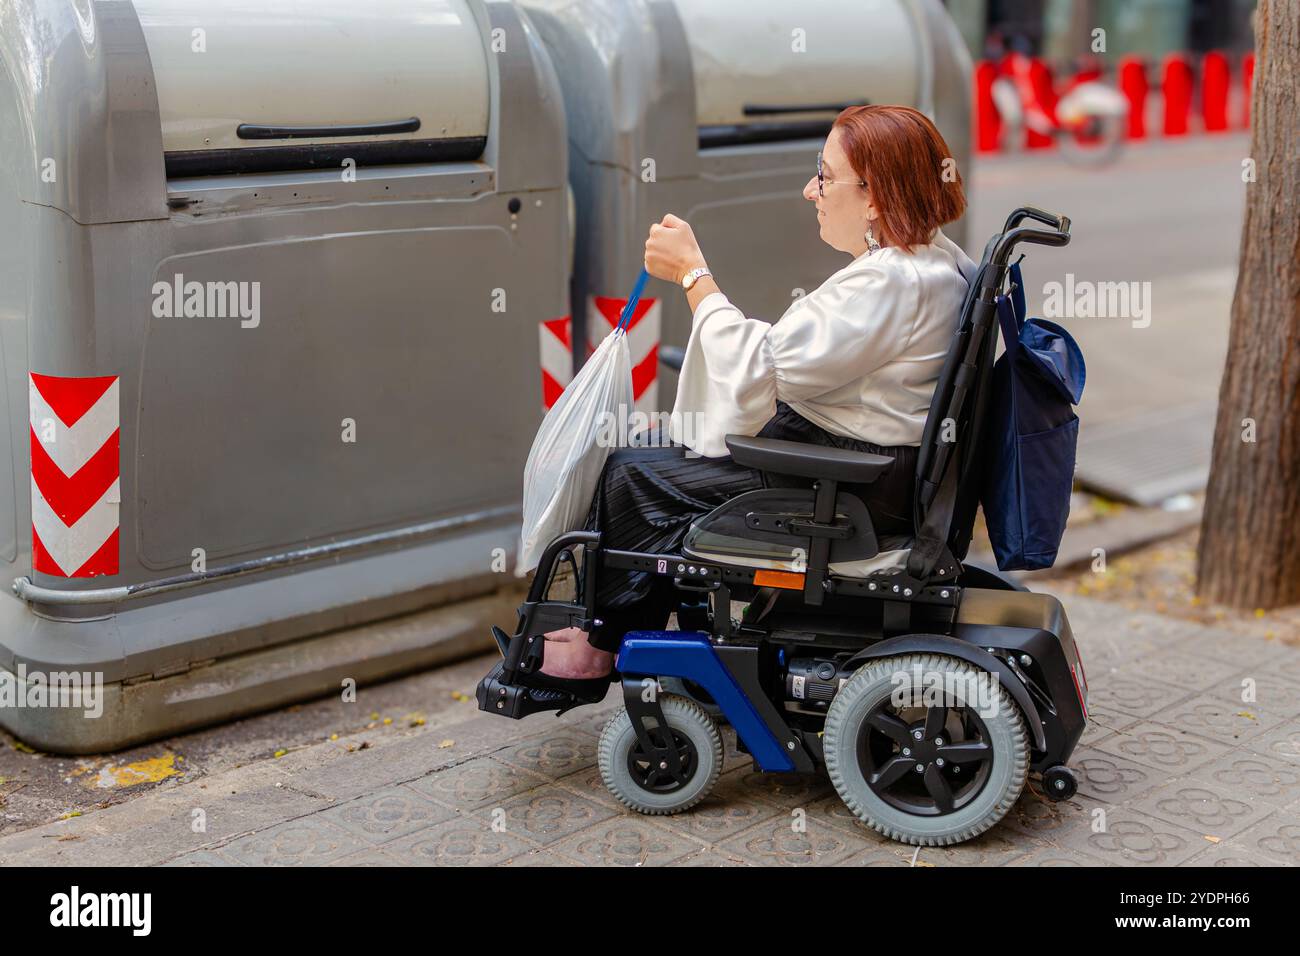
807,461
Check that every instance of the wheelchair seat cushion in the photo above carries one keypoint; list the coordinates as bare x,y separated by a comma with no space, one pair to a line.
894,550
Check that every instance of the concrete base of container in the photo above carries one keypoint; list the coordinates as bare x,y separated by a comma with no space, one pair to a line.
142,709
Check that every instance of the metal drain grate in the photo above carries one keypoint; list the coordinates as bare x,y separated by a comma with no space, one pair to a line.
1148,459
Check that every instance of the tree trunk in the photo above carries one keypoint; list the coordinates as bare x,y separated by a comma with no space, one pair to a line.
1250,533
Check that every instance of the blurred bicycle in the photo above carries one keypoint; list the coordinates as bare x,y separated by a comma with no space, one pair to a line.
1088,122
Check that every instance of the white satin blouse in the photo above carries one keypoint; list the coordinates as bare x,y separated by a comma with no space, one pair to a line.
859,355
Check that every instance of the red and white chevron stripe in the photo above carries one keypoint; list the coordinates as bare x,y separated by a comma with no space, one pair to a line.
643,330
76,489
557,358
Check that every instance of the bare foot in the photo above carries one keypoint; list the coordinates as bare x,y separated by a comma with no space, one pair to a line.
569,655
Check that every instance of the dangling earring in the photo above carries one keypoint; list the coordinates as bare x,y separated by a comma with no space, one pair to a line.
872,245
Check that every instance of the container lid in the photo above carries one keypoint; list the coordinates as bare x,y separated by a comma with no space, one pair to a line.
237,75
756,61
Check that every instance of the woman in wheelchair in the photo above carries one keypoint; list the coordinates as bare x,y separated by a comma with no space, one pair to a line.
827,470
852,365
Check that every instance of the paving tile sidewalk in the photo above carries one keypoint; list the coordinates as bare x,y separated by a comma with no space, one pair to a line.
1175,770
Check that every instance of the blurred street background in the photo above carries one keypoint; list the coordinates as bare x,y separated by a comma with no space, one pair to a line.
1166,213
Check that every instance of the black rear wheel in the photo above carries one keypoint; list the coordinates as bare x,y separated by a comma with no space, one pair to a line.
926,749
927,761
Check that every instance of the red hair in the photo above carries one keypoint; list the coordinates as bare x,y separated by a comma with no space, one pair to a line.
912,175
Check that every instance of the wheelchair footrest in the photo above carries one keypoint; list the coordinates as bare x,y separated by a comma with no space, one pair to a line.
497,697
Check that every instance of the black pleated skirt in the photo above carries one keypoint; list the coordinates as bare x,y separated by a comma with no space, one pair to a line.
648,498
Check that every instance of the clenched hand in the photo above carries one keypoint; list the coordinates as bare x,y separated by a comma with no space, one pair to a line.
671,250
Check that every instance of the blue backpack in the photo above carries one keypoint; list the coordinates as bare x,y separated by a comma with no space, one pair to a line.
1032,432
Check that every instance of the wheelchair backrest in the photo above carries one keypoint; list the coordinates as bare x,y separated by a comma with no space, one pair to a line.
957,410
947,432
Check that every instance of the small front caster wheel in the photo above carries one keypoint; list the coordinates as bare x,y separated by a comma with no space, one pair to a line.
645,782
1060,783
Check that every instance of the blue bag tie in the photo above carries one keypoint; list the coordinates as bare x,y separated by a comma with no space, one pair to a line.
632,300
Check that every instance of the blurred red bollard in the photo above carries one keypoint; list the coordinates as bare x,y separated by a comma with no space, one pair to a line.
1247,82
1133,84
1177,88
1215,79
1044,101
988,125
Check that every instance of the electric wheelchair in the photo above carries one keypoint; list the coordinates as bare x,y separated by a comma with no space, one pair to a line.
928,688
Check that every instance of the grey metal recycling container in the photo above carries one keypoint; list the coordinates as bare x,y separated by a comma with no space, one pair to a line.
272,296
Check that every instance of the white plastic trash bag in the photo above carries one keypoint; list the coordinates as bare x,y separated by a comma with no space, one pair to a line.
575,438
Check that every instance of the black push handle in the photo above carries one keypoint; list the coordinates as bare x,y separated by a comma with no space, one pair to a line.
1009,241
259,131
1059,223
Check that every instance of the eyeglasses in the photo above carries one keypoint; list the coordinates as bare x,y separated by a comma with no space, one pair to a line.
822,180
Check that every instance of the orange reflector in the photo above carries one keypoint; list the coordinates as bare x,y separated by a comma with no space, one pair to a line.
779,579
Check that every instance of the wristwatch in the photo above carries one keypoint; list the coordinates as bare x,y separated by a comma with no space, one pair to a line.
694,276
